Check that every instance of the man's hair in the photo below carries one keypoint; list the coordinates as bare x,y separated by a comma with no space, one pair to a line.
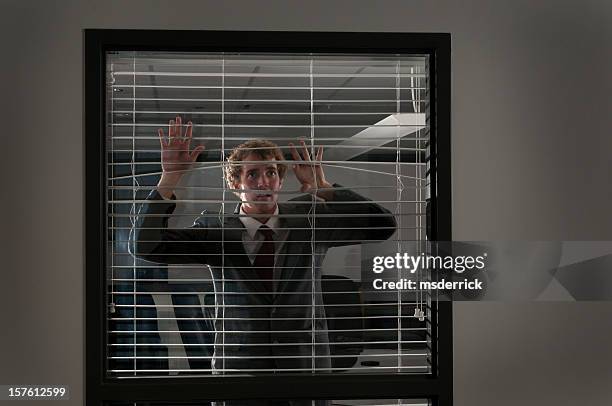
264,149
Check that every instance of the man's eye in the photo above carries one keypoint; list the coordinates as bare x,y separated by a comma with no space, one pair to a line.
251,174
271,173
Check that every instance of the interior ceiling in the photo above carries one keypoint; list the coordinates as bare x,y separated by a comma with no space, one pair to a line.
347,98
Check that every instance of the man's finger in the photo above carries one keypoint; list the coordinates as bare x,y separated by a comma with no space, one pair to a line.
196,152
188,131
319,157
187,139
294,153
162,139
305,151
178,128
171,129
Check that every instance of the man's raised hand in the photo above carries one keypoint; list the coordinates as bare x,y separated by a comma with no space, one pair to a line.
175,154
176,158
310,174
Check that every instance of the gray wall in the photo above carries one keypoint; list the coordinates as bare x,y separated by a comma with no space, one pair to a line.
531,145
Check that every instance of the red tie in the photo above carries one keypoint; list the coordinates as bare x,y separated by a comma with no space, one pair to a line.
264,262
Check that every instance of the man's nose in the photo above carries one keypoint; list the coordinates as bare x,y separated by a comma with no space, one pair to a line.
262,182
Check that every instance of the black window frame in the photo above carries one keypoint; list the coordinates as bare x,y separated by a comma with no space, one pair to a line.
436,386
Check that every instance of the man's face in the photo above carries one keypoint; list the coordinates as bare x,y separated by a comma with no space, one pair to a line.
258,185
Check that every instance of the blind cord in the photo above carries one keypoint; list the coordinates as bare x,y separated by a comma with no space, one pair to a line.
398,197
312,210
133,208
111,306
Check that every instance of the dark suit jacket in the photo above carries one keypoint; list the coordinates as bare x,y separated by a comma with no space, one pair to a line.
256,329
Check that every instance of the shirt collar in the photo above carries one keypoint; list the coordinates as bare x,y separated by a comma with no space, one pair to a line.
253,225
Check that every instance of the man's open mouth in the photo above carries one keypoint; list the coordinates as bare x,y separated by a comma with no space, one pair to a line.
263,196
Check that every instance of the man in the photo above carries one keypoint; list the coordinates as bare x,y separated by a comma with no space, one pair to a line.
265,258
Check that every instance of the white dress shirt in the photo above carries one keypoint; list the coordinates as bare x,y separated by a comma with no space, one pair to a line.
252,240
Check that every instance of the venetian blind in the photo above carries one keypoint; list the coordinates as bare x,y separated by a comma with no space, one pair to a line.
199,312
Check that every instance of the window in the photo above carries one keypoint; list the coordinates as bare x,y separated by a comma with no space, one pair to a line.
183,313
